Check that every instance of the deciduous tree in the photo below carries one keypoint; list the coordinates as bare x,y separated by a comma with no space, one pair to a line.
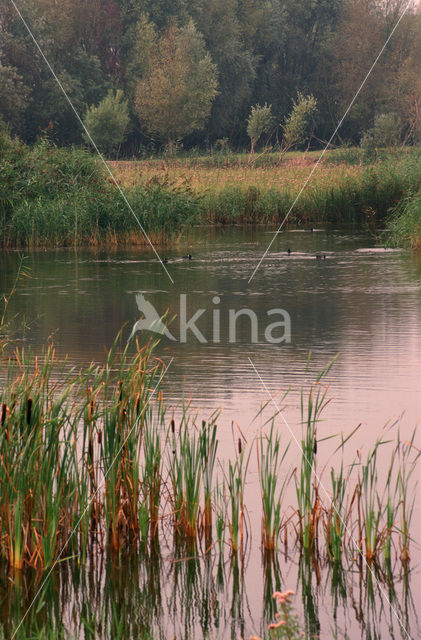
176,95
107,123
260,122
295,125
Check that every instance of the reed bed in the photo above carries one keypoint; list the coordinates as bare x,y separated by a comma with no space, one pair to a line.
404,223
64,197
91,466
360,193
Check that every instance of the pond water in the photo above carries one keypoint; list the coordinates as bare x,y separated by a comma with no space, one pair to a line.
356,302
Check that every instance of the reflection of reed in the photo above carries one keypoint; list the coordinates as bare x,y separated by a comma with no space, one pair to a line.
145,596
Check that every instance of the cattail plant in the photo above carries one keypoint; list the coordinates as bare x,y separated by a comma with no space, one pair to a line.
408,457
235,482
307,490
373,526
270,459
208,446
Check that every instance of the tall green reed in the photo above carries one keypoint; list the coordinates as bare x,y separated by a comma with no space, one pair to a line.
408,457
235,484
272,486
307,483
191,462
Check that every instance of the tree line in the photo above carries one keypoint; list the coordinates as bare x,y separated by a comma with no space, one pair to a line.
149,74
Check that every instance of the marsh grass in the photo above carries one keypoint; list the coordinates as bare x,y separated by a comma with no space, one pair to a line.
63,197
403,227
273,486
185,472
341,191
337,514
235,488
91,452
58,449
309,507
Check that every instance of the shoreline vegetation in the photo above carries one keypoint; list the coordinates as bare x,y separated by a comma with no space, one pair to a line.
98,453
98,475
52,197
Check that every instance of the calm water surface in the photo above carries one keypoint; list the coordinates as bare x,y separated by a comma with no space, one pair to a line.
362,304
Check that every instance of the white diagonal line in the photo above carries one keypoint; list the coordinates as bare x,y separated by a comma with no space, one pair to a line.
320,483
123,195
90,502
351,104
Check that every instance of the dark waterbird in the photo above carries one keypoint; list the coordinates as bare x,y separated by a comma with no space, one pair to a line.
320,256
187,257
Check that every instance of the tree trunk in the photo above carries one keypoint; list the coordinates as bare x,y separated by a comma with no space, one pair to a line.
170,147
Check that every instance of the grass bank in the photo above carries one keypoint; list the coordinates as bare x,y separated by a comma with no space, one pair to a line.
64,197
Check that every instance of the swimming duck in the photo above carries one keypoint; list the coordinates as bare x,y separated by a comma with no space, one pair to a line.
289,251
187,257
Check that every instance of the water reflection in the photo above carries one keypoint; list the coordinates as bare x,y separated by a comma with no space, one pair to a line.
362,303
149,596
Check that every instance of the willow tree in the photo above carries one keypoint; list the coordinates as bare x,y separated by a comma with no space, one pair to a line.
295,125
260,121
175,96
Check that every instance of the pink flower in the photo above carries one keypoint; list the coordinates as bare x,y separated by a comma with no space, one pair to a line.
276,625
283,597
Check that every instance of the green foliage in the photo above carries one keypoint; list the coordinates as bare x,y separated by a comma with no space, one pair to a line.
296,124
403,228
384,133
51,196
263,53
144,40
222,146
224,26
165,207
13,96
107,123
175,97
260,121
